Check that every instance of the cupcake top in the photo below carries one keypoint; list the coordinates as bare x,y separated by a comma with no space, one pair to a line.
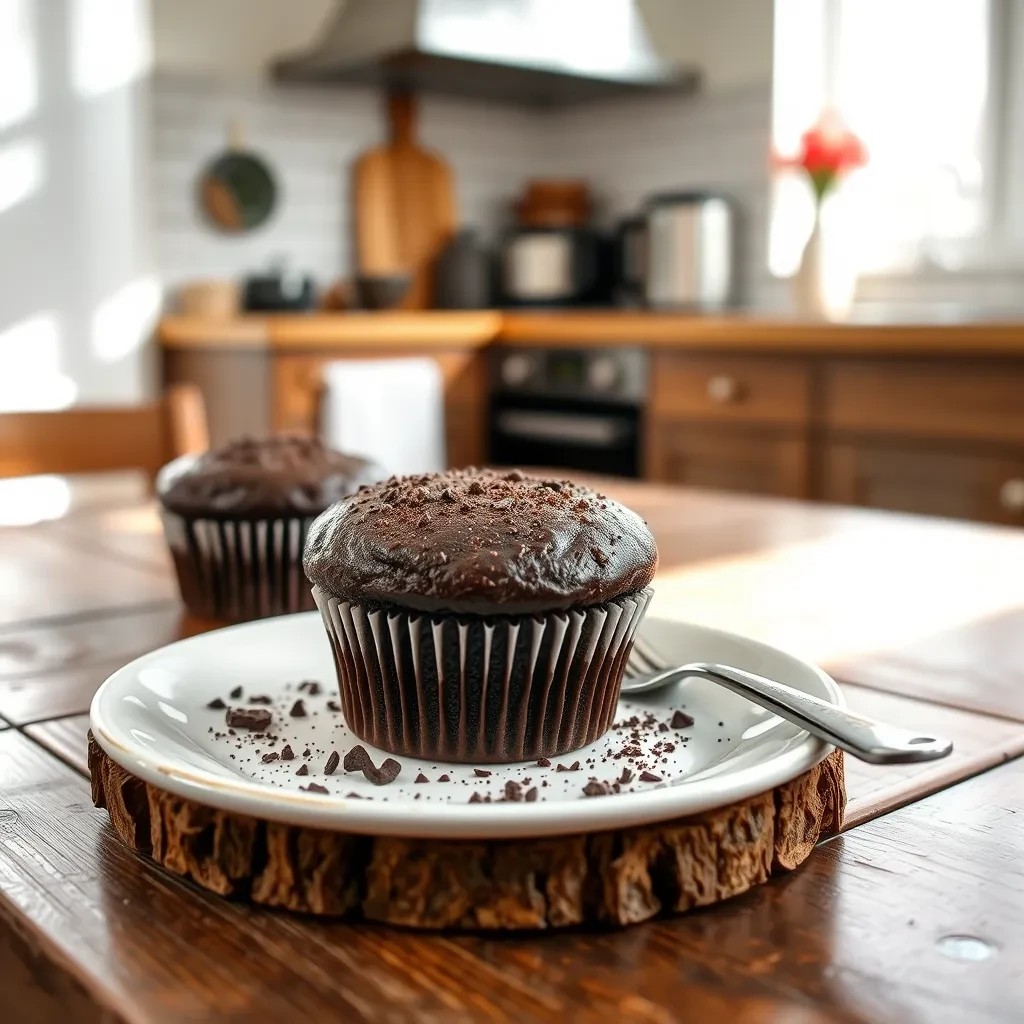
282,475
480,542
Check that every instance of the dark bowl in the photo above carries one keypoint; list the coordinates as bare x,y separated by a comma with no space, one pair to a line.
384,291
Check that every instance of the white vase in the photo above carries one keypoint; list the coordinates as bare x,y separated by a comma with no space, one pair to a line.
826,281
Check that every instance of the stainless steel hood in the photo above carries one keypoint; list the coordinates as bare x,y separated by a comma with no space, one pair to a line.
535,52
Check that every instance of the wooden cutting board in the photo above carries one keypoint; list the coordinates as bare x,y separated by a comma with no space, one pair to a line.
405,205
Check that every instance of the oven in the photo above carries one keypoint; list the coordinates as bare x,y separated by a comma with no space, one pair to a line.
568,408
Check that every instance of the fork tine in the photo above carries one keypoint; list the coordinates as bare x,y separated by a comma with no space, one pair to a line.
645,656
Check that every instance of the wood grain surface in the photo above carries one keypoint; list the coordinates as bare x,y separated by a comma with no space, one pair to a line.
926,617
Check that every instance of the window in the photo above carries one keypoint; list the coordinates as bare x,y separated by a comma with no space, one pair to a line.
912,79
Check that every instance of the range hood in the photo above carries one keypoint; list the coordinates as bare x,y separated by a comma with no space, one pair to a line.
534,52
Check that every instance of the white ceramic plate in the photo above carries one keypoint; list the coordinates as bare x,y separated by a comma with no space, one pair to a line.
151,717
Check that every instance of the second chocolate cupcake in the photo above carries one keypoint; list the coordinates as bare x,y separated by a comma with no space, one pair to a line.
477,615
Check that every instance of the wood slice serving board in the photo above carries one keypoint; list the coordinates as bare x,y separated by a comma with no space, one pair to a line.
605,878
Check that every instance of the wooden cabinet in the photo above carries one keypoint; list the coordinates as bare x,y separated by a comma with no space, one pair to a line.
762,462
297,384
930,480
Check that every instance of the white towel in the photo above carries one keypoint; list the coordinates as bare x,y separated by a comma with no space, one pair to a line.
390,410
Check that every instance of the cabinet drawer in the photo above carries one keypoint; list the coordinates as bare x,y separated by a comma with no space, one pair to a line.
988,487
945,400
731,459
730,390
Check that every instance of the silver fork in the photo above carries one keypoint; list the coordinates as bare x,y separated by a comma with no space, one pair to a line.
865,738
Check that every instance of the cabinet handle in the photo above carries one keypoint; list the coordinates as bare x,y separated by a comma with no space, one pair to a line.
1011,495
723,389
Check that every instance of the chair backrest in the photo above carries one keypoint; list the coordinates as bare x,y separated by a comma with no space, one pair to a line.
95,440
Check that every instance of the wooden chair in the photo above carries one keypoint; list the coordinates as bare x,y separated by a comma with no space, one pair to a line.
104,439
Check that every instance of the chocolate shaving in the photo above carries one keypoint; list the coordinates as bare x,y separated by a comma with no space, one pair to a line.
307,752
481,773
298,710
303,769
662,727
333,705
544,762
513,791
422,778
595,788
235,693
681,720
267,758
253,719
261,698
310,686
574,767
216,704
476,798
315,787
531,795
626,776
385,774
332,763
445,778
357,759
287,754
649,777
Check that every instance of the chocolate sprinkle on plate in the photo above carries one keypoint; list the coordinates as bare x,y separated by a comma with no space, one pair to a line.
260,699
422,778
332,763
253,719
303,769
626,776
544,762
333,705
310,686
476,798
287,754
315,787
445,778
574,767
216,704
298,710
649,777
531,795
236,693
513,791
681,720
357,759
595,788
267,758
385,774
481,773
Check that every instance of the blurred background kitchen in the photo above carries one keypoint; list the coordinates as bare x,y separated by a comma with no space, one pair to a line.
770,247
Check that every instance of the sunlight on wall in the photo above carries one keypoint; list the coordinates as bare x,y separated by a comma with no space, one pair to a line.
123,322
33,499
21,172
19,86
30,373
110,44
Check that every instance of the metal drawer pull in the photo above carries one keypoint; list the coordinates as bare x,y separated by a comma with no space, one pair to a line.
562,428
1011,495
723,389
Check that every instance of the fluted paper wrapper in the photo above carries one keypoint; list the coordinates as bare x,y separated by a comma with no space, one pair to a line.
471,689
239,569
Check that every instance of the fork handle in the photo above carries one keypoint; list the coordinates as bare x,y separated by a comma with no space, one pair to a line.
866,738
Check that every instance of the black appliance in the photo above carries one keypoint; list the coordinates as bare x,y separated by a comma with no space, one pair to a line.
554,266
572,408
279,290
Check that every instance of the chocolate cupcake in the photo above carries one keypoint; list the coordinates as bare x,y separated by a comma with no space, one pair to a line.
236,520
477,615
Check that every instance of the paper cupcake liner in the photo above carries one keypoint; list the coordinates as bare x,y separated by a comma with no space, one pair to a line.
239,570
486,690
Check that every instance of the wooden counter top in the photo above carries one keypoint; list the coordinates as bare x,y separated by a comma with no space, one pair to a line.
477,329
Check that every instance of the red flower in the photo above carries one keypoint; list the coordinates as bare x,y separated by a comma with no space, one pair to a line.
827,151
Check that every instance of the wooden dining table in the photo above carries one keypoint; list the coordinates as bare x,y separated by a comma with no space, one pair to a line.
915,912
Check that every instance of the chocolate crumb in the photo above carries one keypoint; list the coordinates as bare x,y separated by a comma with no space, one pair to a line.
235,693
333,705
315,787
307,752
385,774
445,778
355,796
531,795
267,758
513,792
310,686
298,710
422,778
681,720
357,759
663,727
626,776
649,777
260,698
303,769
287,754
544,762
248,718
481,773
476,798
332,763
216,704
595,788
574,767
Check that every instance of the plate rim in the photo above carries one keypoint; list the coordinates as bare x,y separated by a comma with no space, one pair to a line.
455,821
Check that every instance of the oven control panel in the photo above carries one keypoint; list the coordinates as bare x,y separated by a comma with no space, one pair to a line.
616,374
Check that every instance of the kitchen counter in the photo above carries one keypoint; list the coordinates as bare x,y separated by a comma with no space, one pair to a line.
478,329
